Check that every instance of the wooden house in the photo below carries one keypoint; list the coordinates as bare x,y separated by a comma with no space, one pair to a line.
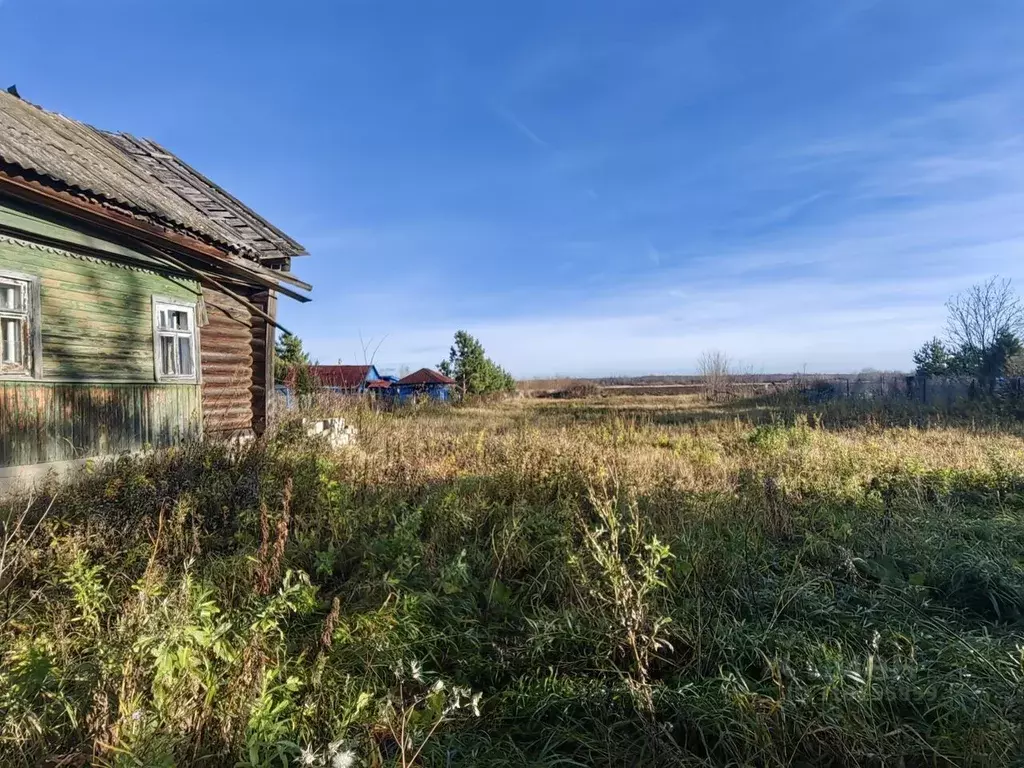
137,298
344,379
424,384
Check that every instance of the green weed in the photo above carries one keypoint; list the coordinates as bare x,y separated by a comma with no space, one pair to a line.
607,581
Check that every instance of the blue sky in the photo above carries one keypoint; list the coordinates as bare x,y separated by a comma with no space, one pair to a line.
590,187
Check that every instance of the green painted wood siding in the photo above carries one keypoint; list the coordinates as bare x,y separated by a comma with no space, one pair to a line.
97,394
16,217
96,316
42,423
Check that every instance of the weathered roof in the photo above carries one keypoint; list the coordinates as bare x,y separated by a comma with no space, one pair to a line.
426,376
342,376
136,174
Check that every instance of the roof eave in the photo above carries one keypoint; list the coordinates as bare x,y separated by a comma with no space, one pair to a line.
104,217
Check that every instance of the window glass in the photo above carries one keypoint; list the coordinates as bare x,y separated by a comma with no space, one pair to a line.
11,331
16,325
175,341
167,356
11,296
185,356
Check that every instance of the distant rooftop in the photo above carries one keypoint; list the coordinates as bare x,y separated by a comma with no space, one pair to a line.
426,376
341,376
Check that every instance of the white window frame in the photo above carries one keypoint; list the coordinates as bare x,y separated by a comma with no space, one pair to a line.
175,305
32,339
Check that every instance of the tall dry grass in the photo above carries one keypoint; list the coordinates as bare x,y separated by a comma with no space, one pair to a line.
613,581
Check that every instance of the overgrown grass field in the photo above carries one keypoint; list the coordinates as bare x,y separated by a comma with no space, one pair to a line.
607,582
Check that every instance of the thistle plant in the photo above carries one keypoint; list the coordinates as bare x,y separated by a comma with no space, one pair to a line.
418,705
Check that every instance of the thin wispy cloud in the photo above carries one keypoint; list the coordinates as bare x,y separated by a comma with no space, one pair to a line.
786,211
706,187
653,253
591,192
860,288
524,130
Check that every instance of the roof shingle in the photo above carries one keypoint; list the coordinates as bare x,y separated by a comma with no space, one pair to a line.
136,174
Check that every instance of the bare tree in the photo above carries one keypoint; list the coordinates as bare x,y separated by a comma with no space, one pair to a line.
978,315
368,356
713,368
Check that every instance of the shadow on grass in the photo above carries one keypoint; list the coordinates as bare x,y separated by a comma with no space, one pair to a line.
479,576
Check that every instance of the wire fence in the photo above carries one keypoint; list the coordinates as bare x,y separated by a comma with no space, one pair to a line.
930,390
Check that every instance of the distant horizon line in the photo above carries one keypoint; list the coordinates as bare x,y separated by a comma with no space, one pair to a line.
737,374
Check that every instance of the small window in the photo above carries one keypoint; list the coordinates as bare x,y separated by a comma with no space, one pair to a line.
175,338
17,325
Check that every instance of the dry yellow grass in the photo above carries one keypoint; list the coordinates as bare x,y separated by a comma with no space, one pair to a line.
714,584
682,441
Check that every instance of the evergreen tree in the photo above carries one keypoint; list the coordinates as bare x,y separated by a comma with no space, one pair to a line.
989,363
965,361
982,327
290,356
473,371
932,359
1005,347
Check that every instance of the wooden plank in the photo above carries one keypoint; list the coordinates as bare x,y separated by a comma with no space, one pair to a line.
6,428
79,271
263,360
227,368
43,422
114,355
227,364
215,356
97,373
123,343
237,379
55,312
121,290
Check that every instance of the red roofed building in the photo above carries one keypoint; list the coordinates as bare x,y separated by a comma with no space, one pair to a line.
424,383
341,378
426,376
